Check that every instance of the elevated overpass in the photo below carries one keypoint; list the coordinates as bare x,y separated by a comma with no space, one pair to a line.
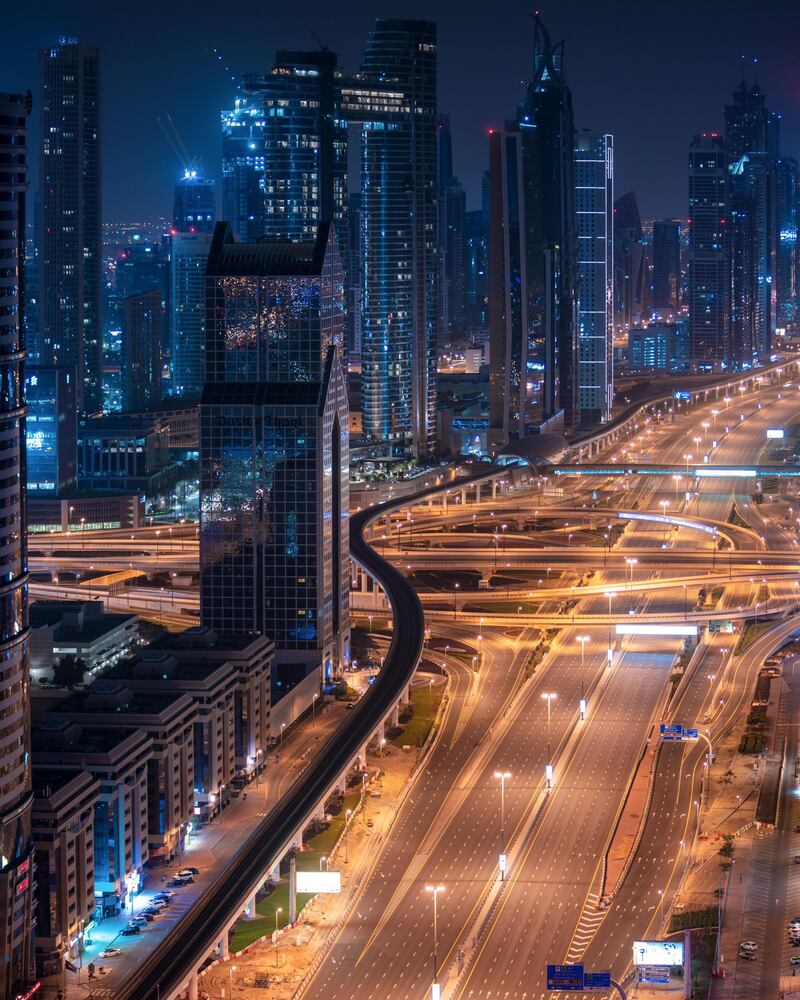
710,471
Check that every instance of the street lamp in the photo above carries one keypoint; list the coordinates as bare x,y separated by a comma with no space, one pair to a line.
278,911
455,599
502,776
314,711
582,639
631,563
434,890
346,828
610,594
231,970
548,697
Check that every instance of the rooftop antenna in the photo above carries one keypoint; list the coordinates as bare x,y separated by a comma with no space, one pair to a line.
755,71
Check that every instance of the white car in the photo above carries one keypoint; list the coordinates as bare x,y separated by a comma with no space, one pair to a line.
748,946
111,953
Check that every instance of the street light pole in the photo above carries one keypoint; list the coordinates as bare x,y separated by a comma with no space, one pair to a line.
278,910
548,697
434,890
502,776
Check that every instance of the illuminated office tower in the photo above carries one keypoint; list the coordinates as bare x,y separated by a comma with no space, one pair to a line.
630,263
194,208
70,330
142,327
533,263
274,465
394,99
708,272
17,879
452,234
786,262
243,162
594,205
187,299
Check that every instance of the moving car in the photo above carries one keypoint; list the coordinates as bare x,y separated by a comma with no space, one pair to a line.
111,953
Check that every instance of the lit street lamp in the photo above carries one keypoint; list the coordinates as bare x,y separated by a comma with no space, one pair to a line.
502,776
434,890
548,697
278,911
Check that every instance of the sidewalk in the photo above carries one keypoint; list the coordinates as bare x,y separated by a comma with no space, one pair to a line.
209,849
282,969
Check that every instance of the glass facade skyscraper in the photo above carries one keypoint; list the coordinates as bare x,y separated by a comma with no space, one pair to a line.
533,263
594,206
274,448
708,274
194,208
787,195
243,160
394,99
17,877
667,264
187,303
51,429
70,324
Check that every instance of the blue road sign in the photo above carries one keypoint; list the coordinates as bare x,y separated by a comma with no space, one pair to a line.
597,980
671,731
568,978
691,734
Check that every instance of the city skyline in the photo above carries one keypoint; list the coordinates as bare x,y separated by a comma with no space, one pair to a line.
177,73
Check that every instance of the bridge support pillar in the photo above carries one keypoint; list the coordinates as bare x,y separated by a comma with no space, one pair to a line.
362,758
494,489
408,695
292,889
224,951
250,908
395,718
192,986
297,840
464,496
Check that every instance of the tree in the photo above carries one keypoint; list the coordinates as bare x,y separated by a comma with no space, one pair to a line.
69,671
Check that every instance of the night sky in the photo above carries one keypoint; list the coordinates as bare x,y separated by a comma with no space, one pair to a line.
652,73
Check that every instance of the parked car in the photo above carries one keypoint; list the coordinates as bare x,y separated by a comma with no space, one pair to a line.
190,869
140,920
177,883
166,894
749,946
150,911
159,904
794,960
131,929
111,953
749,956
797,859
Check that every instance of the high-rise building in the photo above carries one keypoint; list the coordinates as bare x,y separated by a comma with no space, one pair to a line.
142,325
70,323
17,878
51,429
630,263
594,203
787,208
452,223
274,549
187,313
194,208
393,98
243,161
708,272
752,137
667,264
533,264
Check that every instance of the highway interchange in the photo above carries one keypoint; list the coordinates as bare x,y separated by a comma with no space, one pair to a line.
448,830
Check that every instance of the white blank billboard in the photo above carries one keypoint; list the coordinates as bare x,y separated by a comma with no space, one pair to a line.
317,882
775,432
711,472
662,953
626,628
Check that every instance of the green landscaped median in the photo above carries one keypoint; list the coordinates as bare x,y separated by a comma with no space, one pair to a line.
750,633
247,931
424,704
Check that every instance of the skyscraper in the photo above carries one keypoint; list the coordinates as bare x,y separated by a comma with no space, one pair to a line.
667,264
533,263
17,877
752,145
187,304
708,273
787,197
394,100
194,209
142,325
274,550
243,162
70,330
452,223
594,200
630,263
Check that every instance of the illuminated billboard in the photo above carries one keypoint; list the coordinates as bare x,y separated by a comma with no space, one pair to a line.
664,953
319,882
775,432
628,628
710,471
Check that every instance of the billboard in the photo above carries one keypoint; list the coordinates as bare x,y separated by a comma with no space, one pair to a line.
663,953
626,628
317,882
775,432
715,473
